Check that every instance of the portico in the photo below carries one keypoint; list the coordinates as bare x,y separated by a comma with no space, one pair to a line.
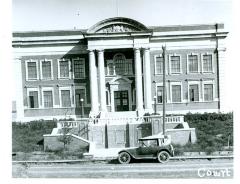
121,88
114,35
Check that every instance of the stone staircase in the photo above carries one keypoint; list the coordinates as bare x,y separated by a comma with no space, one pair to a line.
123,114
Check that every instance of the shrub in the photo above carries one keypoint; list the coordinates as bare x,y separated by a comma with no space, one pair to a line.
25,136
212,130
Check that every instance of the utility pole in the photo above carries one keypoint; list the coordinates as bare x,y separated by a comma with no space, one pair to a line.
164,87
82,108
117,7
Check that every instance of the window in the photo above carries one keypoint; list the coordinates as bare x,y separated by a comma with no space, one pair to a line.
119,65
80,94
110,69
134,96
159,94
175,64
119,61
192,63
107,98
48,99
65,98
79,68
159,65
148,143
207,63
46,69
193,93
32,73
33,99
176,93
64,69
208,92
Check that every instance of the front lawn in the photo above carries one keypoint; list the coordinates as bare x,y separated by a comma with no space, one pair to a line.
214,132
25,136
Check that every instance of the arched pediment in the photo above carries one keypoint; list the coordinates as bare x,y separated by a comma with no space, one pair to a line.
117,25
120,80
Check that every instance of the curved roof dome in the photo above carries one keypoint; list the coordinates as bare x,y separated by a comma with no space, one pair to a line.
116,25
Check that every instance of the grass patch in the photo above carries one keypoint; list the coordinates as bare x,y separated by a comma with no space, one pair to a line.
25,136
214,132
25,139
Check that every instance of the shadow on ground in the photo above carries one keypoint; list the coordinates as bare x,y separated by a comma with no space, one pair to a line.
115,161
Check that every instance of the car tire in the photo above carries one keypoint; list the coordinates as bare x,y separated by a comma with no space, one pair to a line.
163,156
124,158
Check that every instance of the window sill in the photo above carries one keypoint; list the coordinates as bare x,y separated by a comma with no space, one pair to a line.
209,101
80,78
126,75
47,79
176,73
193,73
194,101
200,102
32,79
64,78
177,102
210,72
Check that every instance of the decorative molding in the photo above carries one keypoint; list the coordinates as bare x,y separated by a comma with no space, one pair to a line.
117,25
117,28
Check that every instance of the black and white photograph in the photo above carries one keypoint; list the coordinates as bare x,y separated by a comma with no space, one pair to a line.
122,89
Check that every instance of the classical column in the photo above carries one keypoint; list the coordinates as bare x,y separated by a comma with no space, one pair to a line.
102,88
147,81
138,80
93,83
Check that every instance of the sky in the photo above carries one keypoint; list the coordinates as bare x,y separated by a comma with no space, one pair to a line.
35,15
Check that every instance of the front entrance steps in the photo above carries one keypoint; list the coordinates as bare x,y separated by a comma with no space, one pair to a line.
121,114
122,117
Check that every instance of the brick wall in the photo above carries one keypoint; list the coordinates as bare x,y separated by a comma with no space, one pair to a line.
55,83
184,77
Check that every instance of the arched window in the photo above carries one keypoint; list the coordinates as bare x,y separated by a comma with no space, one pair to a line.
120,65
120,62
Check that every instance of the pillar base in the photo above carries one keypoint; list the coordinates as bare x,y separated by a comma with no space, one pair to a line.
102,114
93,114
140,112
150,111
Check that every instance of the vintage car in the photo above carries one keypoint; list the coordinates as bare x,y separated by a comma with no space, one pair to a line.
151,147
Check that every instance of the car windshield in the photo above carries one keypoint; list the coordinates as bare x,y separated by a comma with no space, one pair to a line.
147,143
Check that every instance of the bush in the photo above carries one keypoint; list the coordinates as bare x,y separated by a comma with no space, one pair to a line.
212,130
208,116
25,136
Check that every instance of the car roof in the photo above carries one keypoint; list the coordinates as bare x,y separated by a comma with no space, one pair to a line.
157,136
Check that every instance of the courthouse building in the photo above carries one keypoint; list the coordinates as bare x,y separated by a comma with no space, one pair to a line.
116,67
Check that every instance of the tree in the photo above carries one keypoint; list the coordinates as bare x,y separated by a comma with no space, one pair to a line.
65,138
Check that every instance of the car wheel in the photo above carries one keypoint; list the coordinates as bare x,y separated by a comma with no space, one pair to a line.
124,158
163,156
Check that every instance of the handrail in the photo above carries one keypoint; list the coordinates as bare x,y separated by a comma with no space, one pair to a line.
75,123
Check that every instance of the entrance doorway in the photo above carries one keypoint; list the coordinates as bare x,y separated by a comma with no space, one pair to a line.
121,100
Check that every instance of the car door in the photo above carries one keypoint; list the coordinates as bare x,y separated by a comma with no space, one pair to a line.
148,149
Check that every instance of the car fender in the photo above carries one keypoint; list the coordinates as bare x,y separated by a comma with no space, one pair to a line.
127,152
164,149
